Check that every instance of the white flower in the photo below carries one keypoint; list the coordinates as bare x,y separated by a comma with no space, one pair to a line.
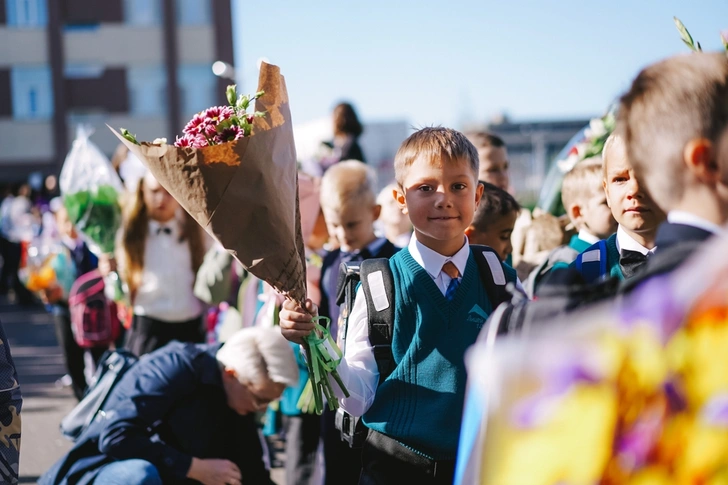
159,141
569,163
597,128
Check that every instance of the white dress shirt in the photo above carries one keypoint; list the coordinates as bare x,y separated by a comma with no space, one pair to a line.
688,219
358,369
166,290
625,241
588,237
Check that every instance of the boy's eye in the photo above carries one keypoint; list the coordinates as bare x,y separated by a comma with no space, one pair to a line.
424,188
459,186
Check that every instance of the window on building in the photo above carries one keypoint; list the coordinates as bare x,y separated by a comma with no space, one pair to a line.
143,12
193,12
26,13
147,91
197,87
32,92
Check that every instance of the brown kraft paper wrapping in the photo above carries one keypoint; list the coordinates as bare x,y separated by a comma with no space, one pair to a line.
244,193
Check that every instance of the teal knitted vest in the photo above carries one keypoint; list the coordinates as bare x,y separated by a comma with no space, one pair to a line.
615,270
420,404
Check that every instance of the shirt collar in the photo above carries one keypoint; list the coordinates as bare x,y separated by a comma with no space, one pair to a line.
689,219
627,242
172,224
587,236
433,261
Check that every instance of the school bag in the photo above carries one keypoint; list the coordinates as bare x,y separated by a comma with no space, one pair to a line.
94,318
592,263
562,254
112,367
377,282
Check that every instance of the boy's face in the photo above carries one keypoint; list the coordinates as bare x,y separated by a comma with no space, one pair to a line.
64,224
631,205
352,226
440,199
497,235
161,206
494,166
596,217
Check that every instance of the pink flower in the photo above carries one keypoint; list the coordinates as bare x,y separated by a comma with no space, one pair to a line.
216,114
229,134
195,125
191,141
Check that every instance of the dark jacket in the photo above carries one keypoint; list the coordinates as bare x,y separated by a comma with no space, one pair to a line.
168,408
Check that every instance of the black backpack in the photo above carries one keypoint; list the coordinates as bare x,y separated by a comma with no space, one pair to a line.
112,367
493,275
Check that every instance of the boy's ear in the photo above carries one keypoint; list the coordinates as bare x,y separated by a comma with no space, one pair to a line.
699,156
377,211
605,186
479,194
399,197
230,373
574,211
469,231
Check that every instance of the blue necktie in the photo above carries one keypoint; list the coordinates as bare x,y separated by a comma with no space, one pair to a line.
451,270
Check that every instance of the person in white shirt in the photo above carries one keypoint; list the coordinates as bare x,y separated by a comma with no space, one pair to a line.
161,249
413,414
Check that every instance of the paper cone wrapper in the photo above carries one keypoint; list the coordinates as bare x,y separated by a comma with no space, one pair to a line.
244,193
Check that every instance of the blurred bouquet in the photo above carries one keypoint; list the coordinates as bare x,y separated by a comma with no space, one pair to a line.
236,173
48,269
636,394
592,144
91,189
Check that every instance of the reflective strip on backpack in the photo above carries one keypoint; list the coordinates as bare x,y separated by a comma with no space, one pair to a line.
496,268
378,293
591,256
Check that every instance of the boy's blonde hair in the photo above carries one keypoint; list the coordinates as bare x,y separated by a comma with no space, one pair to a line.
669,104
348,183
257,353
437,145
613,146
582,182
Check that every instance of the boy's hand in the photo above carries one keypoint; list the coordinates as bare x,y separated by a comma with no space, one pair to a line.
107,264
295,321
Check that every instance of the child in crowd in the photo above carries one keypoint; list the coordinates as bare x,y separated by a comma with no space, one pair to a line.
161,249
82,261
674,118
414,414
396,227
494,219
493,159
586,205
350,208
632,207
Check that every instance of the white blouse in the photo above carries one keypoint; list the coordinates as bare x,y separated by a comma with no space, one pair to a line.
166,290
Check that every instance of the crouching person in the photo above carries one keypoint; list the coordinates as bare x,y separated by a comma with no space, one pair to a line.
185,414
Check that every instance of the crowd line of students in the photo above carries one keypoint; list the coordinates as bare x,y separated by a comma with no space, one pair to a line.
661,183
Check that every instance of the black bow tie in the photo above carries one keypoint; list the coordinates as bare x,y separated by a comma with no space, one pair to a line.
164,230
631,261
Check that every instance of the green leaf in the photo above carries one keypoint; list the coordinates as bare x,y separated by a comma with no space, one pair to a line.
258,94
685,35
724,39
243,102
224,124
260,114
231,94
125,133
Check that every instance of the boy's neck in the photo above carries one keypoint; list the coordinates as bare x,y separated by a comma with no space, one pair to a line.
645,238
445,248
704,204
365,245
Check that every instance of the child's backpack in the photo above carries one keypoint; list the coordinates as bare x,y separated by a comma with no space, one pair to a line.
562,254
592,263
112,366
377,282
94,318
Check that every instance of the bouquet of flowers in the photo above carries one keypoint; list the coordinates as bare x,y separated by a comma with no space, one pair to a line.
236,173
47,267
90,189
632,394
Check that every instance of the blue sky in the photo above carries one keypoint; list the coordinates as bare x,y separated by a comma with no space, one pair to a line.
445,62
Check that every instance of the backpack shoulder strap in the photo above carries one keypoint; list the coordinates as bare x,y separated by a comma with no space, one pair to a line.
592,263
377,284
494,274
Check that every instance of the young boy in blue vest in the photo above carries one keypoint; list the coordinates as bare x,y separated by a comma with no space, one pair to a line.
675,120
623,253
348,202
494,219
413,416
